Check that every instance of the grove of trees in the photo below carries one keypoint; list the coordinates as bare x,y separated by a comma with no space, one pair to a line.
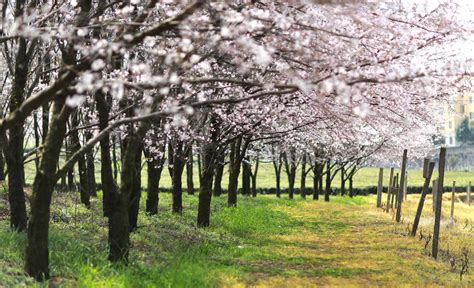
322,86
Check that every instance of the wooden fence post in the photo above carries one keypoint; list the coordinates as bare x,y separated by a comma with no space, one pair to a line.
434,192
379,188
402,185
426,187
389,190
405,189
439,201
395,189
452,202
469,194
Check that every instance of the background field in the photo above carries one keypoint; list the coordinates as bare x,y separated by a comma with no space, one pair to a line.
366,177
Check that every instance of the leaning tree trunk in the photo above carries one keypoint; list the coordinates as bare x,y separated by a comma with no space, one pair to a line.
37,241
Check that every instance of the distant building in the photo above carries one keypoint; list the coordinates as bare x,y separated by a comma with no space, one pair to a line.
462,107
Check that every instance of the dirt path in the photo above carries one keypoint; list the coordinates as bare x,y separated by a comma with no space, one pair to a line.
349,243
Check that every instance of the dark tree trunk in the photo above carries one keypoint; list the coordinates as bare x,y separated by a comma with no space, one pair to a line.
2,166
70,172
108,184
291,184
136,191
152,199
234,171
114,158
218,178
91,169
81,163
303,177
119,226
209,156
254,178
14,145
177,173
343,182
155,167
277,164
290,168
189,172
205,190
351,187
278,184
45,180
199,162
246,177
315,187
328,181
37,137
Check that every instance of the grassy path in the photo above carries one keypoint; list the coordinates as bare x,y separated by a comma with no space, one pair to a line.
264,242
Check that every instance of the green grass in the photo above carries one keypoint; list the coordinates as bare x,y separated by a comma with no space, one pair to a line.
263,242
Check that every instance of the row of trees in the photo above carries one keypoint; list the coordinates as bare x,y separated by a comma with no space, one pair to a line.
321,85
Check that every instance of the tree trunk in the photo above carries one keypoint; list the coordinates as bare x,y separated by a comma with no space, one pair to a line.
177,172
315,187
155,167
218,178
234,171
351,186
136,191
154,175
119,227
14,145
246,177
114,158
205,190
303,177
45,180
209,156
81,163
277,168
91,169
343,182
2,165
108,184
328,181
189,172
